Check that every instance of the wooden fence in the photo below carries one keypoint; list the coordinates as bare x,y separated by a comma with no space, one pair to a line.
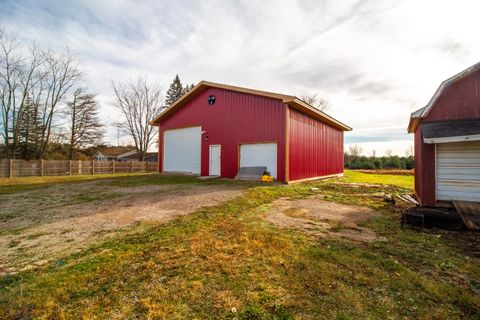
23,168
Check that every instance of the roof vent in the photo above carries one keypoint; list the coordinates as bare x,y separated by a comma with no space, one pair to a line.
211,100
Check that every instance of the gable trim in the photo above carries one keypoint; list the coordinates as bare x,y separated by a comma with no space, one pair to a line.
292,101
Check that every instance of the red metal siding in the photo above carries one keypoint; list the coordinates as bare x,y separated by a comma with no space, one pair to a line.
424,170
235,118
316,149
459,101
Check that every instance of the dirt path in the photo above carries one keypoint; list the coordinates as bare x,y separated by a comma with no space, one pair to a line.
321,218
42,225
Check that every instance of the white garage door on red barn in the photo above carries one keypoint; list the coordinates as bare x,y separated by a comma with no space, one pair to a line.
458,171
182,150
259,155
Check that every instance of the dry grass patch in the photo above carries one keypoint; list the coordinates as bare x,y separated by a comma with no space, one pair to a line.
321,218
227,262
45,224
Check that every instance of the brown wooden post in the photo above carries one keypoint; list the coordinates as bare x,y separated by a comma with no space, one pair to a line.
131,166
10,167
70,167
113,166
41,167
93,166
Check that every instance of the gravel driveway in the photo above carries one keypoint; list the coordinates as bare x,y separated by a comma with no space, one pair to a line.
41,225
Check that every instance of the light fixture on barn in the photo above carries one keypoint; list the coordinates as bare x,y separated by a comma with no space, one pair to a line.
206,135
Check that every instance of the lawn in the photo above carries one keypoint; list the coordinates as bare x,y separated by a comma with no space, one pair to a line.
11,185
226,261
403,181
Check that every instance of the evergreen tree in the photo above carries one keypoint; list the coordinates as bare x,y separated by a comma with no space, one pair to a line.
29,131
175,91
188,88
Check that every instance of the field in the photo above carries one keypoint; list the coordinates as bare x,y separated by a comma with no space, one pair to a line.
156,247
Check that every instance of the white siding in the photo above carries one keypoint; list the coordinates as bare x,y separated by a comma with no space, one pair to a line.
182,149
458,171
258,155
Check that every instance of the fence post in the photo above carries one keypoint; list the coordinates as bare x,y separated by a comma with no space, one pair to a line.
93,166
131,166
113,166
70,167
41,167
10,167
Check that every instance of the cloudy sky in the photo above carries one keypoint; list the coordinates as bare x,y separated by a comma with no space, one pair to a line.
375,61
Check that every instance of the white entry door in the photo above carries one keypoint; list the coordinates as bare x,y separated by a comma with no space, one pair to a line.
458,171
259,155
182,149
215,160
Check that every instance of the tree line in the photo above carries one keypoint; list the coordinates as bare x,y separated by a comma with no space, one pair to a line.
45,109
353,159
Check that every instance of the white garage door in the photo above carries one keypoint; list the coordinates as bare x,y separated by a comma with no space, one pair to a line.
259,155
458,171
182,148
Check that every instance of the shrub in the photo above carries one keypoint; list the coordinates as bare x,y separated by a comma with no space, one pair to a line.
376,163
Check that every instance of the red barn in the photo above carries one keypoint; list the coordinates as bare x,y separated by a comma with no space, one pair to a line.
447,142
215,129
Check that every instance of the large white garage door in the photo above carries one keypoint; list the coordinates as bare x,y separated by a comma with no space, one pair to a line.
259,155
182,148
458,171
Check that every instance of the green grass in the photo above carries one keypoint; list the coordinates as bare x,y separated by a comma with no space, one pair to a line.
204,264
8,186
403,181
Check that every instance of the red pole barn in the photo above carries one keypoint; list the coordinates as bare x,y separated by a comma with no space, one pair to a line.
447,142
215,129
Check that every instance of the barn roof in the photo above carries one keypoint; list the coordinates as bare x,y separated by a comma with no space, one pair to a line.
292,101
423,112
451,130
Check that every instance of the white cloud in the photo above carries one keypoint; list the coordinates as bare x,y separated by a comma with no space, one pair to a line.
376,61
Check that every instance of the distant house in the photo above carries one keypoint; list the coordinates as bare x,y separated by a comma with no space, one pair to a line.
149,157
447,142
114,155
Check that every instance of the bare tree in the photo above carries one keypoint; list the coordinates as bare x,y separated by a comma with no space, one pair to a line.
374,153
19,73
42,76
85,127
315,100
409,151
355,150
62,73
389,152
139,102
